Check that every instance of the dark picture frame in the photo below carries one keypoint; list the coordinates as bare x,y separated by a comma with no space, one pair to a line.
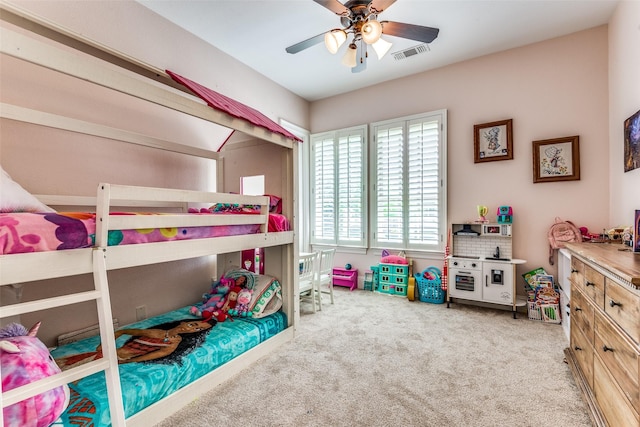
493,141
556,159
632,142
636,232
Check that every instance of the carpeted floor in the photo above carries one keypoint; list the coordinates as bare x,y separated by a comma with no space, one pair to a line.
379,360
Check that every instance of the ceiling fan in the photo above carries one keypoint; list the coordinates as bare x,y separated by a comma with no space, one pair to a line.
360,18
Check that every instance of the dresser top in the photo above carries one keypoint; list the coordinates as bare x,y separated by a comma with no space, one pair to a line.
613,257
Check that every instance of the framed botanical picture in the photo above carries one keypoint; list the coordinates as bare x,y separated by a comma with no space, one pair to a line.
493,141
556,159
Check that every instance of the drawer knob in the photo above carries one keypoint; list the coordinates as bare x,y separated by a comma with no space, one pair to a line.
577,348
573,270
613,303
605,348
577,309
590,283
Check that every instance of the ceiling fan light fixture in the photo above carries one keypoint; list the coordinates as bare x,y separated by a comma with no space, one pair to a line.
334,39
371,31
381,47
349,58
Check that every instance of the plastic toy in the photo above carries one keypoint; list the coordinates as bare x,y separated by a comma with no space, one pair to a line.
387,258
505,215
23,360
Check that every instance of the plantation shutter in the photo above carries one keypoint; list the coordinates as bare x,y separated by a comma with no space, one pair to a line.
324,189
351,188
338,188
409,206
389,183
423,178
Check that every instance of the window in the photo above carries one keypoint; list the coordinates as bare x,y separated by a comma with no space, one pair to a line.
407,159
338,188
408,209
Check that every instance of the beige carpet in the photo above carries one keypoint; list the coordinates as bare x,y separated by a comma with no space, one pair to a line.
378,360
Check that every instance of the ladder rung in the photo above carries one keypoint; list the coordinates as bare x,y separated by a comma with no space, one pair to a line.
28,307
24,392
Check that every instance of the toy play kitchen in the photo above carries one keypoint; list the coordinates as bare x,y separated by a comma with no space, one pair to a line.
481,267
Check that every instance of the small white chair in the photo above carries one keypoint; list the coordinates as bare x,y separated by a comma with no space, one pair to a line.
307,283
325,272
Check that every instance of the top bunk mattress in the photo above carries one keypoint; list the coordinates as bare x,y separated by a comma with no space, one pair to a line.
24,232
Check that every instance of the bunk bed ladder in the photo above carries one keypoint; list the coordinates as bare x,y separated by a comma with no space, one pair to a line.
108,363
107,338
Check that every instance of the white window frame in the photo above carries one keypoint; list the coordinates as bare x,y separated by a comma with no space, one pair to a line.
301,185
334,137
438,246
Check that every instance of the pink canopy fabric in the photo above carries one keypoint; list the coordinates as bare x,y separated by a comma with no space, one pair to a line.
232,107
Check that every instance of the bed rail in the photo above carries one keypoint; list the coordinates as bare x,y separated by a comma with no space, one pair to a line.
107,193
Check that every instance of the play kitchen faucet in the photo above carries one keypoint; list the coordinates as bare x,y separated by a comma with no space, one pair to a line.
496,256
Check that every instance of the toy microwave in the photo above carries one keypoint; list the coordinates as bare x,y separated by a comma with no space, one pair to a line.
499,230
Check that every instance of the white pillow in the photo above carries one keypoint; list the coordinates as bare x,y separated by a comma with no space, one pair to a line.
14,198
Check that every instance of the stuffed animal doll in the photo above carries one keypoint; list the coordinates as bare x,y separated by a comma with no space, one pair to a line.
213,300
221,314
242,304
23,360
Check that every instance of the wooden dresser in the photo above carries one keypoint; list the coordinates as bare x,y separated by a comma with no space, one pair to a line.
604,354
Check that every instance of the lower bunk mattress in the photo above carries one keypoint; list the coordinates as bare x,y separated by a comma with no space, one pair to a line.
201,349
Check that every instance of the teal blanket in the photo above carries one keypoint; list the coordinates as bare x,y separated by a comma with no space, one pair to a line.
144,383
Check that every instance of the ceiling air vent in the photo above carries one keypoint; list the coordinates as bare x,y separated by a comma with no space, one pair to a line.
415,50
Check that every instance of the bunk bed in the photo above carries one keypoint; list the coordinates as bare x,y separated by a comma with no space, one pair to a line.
99,255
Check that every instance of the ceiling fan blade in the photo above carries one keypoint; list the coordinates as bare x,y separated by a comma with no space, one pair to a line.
377,6
361,57
410,31
306,44
334,6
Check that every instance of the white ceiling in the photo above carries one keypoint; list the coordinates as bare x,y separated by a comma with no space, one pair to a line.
256,32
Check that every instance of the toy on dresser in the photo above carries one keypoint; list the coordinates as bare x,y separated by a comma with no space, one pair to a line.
23,360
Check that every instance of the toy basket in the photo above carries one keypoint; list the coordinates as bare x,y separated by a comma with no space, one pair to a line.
430,290
548,313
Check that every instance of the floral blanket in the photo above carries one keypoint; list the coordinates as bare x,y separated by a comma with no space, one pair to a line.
22,232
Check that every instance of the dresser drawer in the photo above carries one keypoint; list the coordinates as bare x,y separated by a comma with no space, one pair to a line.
623,306
577,271
582,314
584,353
620,356
614,406
594,286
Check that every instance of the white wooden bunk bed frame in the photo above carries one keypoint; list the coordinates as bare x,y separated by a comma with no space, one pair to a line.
20,268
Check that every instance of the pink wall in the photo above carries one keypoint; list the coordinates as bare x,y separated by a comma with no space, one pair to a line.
550,89
51,161
624,100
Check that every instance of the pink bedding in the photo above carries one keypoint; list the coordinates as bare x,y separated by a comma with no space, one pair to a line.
22,232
